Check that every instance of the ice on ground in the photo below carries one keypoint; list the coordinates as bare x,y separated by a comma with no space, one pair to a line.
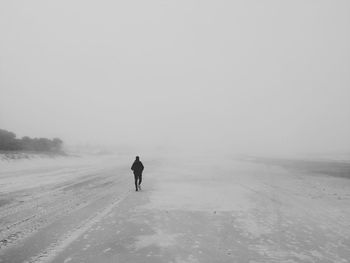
159,239
200,196
192,210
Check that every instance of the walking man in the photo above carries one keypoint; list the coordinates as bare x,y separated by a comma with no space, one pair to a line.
137,168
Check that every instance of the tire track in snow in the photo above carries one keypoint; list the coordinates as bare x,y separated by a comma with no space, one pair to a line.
52,204
52,251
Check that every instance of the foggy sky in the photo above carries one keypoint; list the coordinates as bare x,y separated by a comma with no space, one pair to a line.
242,75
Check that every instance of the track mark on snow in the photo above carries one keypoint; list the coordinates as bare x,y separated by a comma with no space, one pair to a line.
52,251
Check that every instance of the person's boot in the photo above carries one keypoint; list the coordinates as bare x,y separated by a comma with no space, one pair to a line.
140,187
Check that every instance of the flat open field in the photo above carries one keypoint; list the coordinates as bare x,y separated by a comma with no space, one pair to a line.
191,209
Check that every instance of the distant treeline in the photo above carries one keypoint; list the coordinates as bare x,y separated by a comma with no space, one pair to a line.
9,142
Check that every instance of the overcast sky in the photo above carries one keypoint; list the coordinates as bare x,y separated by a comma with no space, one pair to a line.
242,75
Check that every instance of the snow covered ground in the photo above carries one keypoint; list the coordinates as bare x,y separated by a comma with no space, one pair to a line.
191,209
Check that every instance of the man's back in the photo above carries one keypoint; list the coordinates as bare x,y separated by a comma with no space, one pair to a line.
137,167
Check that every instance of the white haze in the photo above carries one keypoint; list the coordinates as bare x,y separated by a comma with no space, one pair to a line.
244,76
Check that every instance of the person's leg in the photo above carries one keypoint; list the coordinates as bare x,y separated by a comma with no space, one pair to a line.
140,179
136,183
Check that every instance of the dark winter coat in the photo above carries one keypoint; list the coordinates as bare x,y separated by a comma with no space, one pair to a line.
137,167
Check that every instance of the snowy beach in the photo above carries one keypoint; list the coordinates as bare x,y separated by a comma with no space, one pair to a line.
191,209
